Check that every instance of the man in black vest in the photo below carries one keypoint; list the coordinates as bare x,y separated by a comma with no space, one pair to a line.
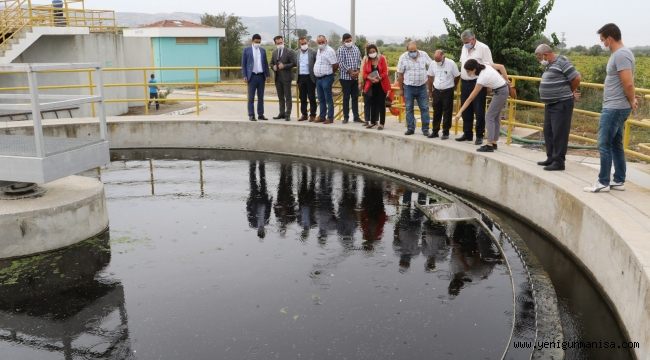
282,60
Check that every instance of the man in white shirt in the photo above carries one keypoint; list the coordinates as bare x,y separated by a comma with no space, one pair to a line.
324,68
443,78
412,79
473,49
255,71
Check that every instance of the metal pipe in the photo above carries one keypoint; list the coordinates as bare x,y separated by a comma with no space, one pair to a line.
353,20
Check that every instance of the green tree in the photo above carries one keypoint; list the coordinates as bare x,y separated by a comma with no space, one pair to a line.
510,28
379,43
361,43
595,50
334,40
231,45
303,32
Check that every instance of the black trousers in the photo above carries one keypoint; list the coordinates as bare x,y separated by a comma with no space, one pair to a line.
443,105
307,90
350,94
557,125
283,88
376,100
477,109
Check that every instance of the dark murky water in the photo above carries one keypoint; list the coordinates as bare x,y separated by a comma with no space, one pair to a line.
260,259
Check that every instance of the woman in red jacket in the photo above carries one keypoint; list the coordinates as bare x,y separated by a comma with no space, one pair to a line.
376,86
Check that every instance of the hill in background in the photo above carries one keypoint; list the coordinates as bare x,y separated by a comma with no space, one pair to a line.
267,26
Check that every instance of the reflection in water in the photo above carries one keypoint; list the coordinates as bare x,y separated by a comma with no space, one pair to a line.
258,206
373,213
53,303
285,205
324,283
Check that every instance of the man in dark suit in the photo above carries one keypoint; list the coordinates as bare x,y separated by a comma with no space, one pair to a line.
282,61
255,70
305,59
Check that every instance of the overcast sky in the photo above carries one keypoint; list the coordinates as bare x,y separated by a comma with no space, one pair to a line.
578,19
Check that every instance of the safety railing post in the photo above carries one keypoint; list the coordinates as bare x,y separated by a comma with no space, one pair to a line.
146,92
511,116
297,100
626,135
196,91
457,106
91,91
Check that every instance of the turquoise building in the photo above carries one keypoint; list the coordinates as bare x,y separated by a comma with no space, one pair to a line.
179,43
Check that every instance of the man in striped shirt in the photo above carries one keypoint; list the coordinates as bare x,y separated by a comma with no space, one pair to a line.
349,58
557,90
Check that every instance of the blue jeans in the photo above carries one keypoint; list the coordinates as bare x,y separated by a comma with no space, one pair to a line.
256,85
324,89
610,144
419,93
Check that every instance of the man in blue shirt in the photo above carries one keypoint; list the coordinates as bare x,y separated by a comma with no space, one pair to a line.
153,91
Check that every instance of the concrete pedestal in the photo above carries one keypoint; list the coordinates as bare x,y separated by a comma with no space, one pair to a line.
72,209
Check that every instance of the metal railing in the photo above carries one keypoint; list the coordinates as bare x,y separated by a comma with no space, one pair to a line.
194,83
19,15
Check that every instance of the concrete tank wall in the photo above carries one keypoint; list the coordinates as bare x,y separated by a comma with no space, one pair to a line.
608,234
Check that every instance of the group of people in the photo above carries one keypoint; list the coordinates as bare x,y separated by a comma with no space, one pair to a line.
422,79
316,70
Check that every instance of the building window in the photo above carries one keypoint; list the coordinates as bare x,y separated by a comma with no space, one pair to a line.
191,41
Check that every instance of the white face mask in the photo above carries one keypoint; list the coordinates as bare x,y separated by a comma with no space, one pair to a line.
256,45
304,47
544,62
348,44
281,46
322,46
372,55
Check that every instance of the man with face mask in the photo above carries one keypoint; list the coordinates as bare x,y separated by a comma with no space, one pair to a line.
282,61
557,90
412,80
305,59
619,101
324,68
349,58
473,49
443,78
255,70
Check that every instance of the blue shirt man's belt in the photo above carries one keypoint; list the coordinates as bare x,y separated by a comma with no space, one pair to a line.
324,76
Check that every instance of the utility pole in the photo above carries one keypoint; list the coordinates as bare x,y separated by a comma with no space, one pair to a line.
352,20
287,20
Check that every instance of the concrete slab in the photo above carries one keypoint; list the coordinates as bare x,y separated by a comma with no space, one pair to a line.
71,210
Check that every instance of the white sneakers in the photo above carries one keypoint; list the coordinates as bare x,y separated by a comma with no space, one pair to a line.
617,186
597,187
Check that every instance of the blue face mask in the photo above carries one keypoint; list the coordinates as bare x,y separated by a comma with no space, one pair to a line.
413,54
468,46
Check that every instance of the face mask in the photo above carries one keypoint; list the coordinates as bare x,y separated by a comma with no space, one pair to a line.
256,45
348,44
372,56
468,46
544,62
281,46
322,46
413,54
304,47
